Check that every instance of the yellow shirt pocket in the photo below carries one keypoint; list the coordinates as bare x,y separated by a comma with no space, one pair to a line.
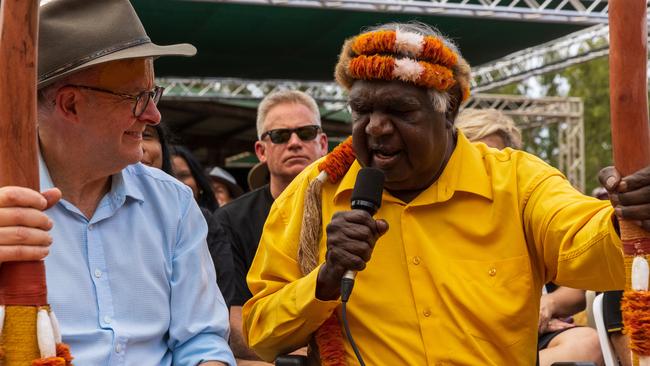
492,299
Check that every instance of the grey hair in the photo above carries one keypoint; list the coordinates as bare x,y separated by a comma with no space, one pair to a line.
284,96
47,94
440,100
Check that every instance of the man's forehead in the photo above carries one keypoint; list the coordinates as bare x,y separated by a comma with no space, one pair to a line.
289,114
388,92
115,75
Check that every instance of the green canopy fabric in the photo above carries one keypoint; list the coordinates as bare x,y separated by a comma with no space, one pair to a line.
275,42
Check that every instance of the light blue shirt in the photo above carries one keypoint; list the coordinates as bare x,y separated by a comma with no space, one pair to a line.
135,284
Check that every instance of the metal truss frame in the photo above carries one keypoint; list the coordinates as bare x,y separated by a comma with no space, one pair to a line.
207,89
565,114
563,11
577,47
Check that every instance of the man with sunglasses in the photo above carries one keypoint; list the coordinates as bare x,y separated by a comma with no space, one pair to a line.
290,138
129,273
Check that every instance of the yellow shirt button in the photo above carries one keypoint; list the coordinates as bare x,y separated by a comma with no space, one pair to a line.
492,272
416,260
426,313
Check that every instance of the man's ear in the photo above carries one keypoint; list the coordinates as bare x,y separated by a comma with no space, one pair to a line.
65,103
455,99
260,150
323,143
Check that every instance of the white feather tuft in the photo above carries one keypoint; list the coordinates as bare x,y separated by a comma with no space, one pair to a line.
45,334
408,43
407,70
56,329
2,318
640,274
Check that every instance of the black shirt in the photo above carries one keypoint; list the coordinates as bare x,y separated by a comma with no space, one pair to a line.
236,229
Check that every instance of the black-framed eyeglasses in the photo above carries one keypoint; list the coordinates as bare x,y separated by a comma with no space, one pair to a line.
282,135
141,99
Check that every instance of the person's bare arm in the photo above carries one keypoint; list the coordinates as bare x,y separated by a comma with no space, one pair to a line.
213,363
566,301
561,303
237,343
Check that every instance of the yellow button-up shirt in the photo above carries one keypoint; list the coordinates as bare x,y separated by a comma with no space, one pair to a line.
457,278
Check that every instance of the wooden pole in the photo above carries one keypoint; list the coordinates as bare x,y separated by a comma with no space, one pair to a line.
628,84
630,133
22,284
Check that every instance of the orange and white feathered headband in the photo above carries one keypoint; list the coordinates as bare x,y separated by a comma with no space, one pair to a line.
405,56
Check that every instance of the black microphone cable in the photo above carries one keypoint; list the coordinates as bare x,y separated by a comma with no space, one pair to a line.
348,333
366,196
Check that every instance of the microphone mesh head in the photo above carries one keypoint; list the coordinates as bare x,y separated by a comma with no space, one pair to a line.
368,187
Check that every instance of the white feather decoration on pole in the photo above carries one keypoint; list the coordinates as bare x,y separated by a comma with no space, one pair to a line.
640,274
45,334
2,318
56,329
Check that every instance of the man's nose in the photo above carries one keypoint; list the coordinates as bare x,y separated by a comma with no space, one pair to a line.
379,124
294,140
151,114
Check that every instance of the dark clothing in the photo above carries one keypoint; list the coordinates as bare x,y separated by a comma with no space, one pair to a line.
221,256
236,231
612,311
546,338
207,214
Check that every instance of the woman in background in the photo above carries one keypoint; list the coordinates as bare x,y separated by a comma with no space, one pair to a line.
155,148
188,170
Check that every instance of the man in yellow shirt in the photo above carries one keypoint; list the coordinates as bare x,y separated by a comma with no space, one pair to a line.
451,267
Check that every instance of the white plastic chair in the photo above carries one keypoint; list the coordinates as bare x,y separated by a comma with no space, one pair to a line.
603,337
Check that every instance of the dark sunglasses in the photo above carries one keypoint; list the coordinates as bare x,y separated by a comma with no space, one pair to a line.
282,135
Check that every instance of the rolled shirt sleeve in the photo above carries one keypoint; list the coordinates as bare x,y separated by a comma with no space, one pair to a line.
199,327
575,241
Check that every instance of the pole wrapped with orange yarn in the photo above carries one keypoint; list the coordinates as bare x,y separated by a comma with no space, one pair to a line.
29,332
631,145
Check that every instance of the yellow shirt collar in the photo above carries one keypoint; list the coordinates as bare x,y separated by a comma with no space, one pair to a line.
464,172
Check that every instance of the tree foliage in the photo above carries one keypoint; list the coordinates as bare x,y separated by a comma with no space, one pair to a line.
589,81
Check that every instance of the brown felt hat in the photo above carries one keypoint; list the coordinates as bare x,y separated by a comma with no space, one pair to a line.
76,34
258,176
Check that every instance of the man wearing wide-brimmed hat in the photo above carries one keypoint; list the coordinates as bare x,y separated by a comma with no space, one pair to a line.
129,273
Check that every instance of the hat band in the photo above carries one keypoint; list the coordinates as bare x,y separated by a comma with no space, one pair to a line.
93,56
403,43
420,73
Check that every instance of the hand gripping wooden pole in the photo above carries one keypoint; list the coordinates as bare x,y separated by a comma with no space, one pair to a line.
22,284
631,145
27,335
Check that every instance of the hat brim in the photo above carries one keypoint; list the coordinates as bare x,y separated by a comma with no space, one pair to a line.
140,51
234,190
258,176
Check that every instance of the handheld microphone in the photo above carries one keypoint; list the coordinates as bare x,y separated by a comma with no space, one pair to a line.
366,196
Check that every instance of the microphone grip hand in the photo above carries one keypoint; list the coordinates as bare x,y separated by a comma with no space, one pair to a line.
351,237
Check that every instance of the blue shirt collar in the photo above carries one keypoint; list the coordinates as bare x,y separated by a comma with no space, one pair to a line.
122,184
